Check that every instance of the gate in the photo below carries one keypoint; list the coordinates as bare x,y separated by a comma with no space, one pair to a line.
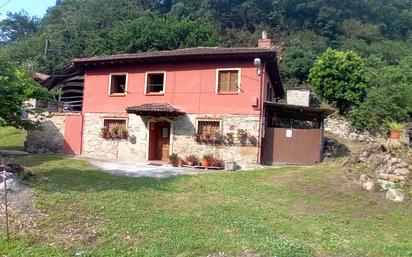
73,133
292,146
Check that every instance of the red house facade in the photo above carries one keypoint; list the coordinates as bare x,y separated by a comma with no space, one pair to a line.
146,106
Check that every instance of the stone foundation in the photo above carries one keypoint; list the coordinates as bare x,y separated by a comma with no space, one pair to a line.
183,129
50,139
184,144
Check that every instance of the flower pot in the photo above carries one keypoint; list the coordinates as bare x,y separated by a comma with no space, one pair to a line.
395,134
205,163
190,163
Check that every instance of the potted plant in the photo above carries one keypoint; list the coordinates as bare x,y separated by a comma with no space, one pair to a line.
395,128
181,162
104,132
208,138
198,138
121,133
206,159
242,136
252,140
216,162
218,138
173,159
229,138
191,160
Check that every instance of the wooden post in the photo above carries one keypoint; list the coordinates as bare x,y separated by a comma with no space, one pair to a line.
6,207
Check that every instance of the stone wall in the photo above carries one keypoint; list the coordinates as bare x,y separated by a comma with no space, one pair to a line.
184,144
131,149
338,125
50,139
183,129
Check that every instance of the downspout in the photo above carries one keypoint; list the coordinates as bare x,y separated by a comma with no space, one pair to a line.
259,157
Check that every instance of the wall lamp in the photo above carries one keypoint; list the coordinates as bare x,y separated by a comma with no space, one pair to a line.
258,63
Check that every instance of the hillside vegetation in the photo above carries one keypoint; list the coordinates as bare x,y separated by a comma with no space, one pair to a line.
379,31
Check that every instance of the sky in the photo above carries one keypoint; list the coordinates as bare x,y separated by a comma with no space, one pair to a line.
33,7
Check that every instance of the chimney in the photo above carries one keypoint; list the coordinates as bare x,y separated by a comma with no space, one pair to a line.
265,42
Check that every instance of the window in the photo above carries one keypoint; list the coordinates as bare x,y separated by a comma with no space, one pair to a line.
114,123
208,127
155,82
114,128
118,84
228,81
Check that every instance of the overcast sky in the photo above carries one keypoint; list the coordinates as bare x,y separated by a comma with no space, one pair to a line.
33,7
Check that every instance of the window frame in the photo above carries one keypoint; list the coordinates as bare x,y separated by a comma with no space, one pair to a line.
239,74
208,120
110,83
146,80
116,118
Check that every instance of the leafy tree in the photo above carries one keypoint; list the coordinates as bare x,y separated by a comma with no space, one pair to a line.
17,26
391,97
153,34
296,62
339,78
17,87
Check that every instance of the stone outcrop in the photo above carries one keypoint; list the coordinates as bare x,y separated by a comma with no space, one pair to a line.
338,125
389,174
395,195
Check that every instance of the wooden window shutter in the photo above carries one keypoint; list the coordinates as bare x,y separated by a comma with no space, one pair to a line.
234,81
228,81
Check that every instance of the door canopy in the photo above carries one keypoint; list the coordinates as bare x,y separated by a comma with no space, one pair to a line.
155,109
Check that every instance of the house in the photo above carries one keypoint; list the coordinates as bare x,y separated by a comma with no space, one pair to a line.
145,106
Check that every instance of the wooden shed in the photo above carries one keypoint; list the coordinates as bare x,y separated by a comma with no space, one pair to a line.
293,134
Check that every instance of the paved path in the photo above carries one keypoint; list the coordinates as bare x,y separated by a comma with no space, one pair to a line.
142,169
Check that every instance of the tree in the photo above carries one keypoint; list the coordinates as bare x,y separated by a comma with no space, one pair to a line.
339,78
17,87
17,26
296,63
154,34
390,97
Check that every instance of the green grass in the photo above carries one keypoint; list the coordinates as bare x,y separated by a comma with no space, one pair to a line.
12,139
275,212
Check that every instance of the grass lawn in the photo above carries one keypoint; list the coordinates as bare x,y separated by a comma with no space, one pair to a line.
12,139
275,212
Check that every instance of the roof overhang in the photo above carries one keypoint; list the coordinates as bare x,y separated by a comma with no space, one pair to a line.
179,55
298,112
155,110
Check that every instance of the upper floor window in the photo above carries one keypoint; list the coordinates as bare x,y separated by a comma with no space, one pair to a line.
155,82
228,80
118,84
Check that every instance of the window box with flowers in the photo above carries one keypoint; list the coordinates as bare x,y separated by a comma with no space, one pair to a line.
114,129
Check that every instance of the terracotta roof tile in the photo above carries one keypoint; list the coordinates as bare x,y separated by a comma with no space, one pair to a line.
187,52
155,109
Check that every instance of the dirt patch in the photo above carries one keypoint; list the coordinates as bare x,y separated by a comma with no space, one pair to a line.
26,219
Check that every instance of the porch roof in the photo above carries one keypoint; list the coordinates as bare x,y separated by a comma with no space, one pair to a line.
155,109
298,112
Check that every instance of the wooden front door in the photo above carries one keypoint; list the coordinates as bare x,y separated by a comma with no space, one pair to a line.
159,141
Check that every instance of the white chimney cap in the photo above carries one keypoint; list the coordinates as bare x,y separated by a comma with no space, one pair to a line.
264,34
